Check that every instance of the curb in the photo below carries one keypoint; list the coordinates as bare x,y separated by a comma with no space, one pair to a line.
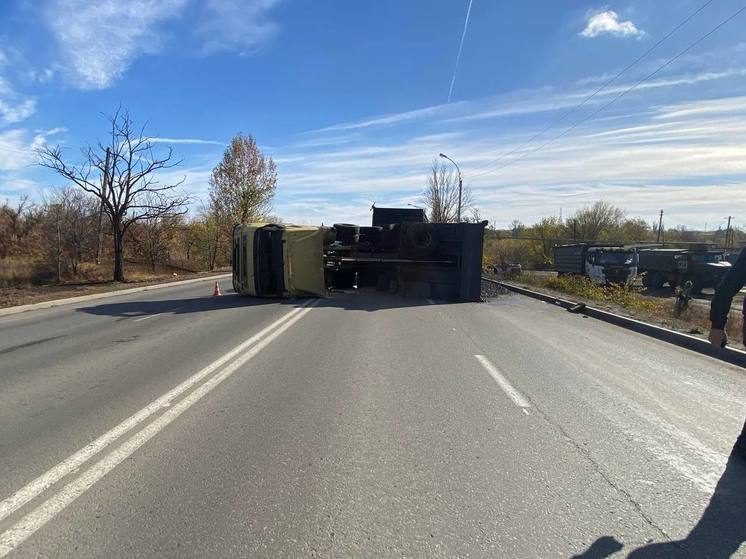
728,354
82,298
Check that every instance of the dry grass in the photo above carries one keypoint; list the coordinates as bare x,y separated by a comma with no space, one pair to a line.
93,279
630,301
22,271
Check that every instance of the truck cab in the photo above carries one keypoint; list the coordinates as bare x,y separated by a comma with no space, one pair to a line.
272,260
611,265
601,263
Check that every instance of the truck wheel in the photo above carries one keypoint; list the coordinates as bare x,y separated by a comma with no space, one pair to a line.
421,238
347,233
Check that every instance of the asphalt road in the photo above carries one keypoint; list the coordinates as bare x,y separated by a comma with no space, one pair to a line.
170,423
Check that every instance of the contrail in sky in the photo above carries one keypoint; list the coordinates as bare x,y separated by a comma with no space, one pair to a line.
458,56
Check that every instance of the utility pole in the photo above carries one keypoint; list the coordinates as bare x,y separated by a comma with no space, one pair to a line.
104,194
660,227
728,233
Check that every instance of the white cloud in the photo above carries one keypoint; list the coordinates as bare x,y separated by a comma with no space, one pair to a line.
524,102
18,148
43,75
98,41
392,119
11,113
607,23
195,141
14,107
236,25
686,156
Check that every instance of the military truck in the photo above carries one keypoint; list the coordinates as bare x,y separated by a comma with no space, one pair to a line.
414,258
602,263
701,265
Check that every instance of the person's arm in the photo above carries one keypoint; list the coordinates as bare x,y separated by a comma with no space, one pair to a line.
731,284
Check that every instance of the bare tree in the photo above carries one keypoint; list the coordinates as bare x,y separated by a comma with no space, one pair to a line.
155,237
441,194
18,228
242,185
130,191
69,228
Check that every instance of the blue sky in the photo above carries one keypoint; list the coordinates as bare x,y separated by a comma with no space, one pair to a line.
350,98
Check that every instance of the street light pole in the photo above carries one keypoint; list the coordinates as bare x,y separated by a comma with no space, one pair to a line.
460,183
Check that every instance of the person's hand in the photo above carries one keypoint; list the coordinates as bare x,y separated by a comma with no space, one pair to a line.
718,337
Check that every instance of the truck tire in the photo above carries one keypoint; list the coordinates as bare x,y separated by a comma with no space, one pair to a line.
421,238
347,233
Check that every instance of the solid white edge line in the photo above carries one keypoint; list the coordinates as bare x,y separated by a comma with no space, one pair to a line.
518,398
75,460
34,520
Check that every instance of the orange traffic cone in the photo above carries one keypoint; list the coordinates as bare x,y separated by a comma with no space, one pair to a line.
217,292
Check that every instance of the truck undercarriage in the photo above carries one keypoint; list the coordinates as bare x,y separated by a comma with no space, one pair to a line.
414,258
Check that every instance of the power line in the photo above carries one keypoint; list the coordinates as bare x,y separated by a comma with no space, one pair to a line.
602,87
618,96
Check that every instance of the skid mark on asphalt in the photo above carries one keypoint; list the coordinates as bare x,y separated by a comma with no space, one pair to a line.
29,344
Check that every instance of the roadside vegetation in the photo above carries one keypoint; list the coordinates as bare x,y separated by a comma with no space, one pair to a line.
121,215
532,246
631,301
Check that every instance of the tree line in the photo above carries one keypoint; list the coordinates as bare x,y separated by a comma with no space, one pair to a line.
116,208
533,245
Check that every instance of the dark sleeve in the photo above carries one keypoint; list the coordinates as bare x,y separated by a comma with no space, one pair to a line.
731,284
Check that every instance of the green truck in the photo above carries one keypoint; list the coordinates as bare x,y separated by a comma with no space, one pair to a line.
411,257
702,266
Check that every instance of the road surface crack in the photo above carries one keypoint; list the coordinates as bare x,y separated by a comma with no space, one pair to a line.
608,479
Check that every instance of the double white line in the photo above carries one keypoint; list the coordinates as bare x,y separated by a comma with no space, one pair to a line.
204,381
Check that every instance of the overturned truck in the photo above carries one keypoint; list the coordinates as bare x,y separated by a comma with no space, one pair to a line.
400,253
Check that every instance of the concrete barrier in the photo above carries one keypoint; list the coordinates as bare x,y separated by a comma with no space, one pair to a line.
728,354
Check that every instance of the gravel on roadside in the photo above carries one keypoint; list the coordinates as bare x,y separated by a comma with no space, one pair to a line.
491,290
